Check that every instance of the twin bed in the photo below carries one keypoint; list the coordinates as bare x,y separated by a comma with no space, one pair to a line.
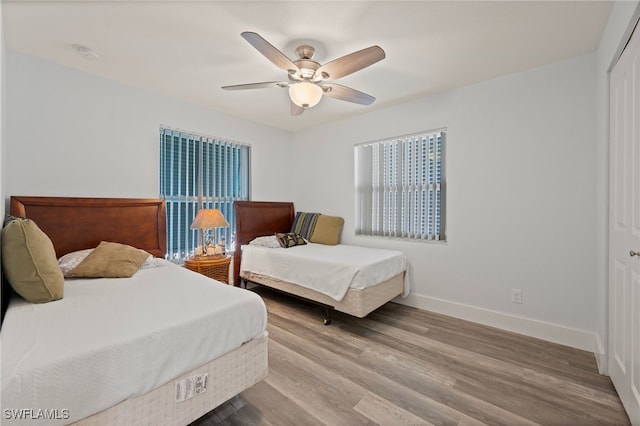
350,279
167,345
125,350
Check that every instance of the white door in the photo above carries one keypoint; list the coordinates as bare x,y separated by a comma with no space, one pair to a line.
624,229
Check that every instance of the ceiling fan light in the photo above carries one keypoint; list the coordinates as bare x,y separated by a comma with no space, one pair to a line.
305,94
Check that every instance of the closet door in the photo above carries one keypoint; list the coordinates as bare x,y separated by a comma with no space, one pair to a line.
624,228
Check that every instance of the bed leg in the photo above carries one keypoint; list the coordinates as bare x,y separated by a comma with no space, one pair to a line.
327,317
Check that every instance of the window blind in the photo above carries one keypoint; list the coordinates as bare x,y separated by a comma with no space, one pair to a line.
400,187
200,172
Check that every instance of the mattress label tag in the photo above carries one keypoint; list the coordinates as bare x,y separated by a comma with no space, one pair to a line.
191,386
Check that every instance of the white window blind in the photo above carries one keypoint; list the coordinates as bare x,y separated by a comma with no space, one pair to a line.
200,172
400,187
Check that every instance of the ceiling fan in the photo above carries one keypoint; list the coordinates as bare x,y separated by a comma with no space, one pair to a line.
308,80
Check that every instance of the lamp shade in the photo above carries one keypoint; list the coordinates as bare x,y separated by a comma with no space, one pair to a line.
305,94
209,218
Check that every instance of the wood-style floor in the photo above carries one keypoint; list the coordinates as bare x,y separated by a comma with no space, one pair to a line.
404,366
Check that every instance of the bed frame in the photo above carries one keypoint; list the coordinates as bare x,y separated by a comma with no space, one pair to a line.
255,219
259,218
74,223
79,223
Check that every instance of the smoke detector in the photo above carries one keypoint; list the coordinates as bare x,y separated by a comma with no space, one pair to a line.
86,52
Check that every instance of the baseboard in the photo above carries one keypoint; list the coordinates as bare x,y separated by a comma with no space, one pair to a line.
555,333
601,356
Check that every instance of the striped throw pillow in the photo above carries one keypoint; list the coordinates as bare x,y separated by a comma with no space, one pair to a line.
304,224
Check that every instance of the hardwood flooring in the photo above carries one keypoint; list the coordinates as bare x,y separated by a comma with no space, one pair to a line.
404,366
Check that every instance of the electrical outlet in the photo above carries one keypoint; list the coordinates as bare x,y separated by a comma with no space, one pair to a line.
516,295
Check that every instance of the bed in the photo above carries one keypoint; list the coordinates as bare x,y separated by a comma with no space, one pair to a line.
163,347
261,218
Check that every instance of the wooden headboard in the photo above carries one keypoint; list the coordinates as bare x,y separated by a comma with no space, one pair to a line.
256,219
79,223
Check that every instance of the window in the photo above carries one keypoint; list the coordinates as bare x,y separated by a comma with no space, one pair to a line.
199,171
400,187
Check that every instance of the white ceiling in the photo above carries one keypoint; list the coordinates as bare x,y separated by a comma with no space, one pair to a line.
189,49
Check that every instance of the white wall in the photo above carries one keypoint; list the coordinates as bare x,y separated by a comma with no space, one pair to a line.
2,110
521,201
72,134
619,21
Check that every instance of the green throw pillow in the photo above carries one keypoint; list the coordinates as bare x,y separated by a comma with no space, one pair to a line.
29,262
327,230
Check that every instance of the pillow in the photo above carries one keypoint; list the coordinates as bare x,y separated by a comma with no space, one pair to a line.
290,239
110,260
154,262
304,223
327,230
8,218
73,259
29,262
270,241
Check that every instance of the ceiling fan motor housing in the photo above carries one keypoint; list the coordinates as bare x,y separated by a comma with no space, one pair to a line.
307,67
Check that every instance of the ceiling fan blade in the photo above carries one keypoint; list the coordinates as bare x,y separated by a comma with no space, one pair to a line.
264,85
345,93
271,53
296,109
350,63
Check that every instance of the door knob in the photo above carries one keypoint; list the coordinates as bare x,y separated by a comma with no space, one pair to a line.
634,253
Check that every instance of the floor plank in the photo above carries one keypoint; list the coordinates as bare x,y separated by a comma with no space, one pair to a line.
385,413
402,365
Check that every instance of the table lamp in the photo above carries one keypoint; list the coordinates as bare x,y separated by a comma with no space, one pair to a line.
208,219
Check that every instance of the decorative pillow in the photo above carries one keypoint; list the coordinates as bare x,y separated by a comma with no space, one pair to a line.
290,239
29,262
71,260
8,218
270,241
154,262
327,230
304,223
110,260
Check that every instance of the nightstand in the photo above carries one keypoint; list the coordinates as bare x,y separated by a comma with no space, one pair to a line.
216,267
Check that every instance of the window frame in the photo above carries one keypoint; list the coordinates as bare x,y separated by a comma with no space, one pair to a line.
387,172
203,181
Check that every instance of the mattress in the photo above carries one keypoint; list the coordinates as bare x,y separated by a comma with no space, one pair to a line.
356,302
329,270
110,340
228,375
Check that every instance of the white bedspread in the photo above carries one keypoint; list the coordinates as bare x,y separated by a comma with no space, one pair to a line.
330,270
112,339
